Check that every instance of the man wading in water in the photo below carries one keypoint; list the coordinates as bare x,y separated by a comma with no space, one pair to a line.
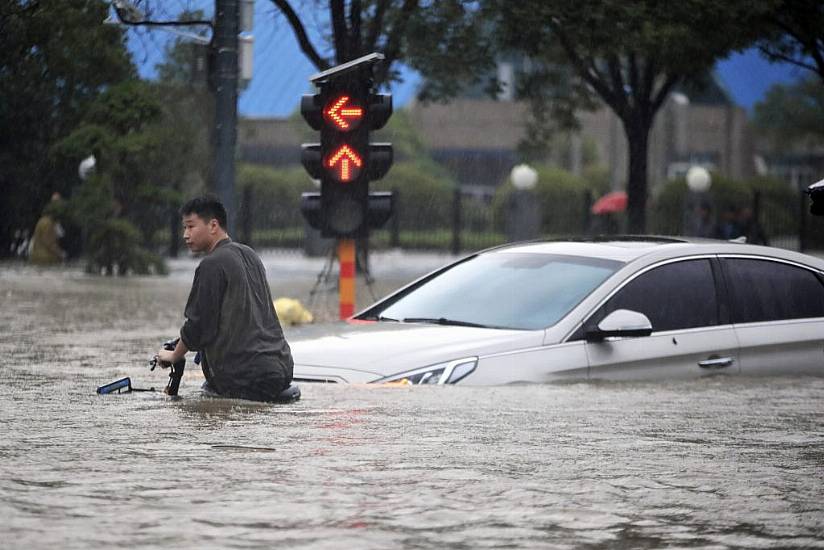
230,318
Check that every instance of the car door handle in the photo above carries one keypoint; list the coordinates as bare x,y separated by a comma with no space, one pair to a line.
716,363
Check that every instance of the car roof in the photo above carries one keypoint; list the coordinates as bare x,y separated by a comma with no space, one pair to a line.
620,248
626,249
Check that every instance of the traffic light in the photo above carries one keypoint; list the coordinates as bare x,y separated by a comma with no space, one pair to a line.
345,110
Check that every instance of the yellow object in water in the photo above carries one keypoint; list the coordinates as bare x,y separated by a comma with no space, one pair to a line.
292,312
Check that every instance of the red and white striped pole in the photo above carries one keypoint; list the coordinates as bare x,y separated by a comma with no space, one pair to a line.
346,283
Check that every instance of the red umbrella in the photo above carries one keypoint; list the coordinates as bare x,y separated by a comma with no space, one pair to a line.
611,202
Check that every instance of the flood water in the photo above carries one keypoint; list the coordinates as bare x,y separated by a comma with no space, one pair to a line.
712,463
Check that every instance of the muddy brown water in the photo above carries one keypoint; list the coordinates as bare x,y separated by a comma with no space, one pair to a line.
712,463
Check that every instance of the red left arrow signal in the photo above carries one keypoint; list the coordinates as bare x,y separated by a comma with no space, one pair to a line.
342,114
345,162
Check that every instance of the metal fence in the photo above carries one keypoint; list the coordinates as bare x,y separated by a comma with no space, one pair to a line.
781,220
468,221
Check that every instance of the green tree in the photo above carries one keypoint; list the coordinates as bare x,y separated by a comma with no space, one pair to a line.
139,169
792,113
631,54
270,197
796,35
555,96
56,57
188,108
183,55
446,40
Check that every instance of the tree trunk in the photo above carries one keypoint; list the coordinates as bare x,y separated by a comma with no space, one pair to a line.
637,133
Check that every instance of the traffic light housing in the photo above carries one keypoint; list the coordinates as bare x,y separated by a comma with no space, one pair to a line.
345,110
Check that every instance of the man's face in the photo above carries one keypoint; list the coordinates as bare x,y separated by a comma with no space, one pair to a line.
198,233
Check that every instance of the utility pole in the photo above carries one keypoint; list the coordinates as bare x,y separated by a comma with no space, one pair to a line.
225,81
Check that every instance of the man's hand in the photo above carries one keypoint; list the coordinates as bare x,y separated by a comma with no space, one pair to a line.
166,356
172,356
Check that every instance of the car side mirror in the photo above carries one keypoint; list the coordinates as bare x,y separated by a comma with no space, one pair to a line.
622,323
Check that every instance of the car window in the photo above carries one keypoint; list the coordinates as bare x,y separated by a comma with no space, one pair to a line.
674,296
763,290
506,290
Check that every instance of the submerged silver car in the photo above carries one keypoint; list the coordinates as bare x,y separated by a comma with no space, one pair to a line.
629,308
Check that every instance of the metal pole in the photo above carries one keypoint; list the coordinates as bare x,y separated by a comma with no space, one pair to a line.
456,221
755,230
802,223
346,277
225,80
246,214
395,235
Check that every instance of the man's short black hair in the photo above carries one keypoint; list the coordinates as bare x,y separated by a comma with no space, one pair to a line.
206,207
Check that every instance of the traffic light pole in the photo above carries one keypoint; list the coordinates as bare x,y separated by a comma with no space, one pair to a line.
227,14
346,280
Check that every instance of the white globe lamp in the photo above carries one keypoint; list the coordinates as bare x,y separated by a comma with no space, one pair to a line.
523,177
698,179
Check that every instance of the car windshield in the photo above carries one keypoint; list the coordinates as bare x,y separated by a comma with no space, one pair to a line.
503,290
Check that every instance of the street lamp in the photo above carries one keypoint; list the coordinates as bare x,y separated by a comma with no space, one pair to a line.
523,219
698,179
698,215
523,177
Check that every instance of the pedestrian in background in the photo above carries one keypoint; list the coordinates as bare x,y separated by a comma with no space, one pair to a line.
750,228
728,224
45,243
700,223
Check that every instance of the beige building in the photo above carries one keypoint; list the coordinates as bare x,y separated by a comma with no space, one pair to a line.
684,134
270,141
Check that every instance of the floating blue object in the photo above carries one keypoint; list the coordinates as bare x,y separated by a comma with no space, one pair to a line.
116,386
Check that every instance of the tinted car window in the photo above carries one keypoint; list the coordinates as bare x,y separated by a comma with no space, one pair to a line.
505,290
674,296
762,290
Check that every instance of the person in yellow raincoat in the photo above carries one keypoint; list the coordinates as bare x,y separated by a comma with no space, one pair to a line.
45,248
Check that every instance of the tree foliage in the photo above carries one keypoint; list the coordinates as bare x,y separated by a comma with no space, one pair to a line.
631,54
796,35
56,57
792,113
188,107
185,60
140,164
555,97
446,40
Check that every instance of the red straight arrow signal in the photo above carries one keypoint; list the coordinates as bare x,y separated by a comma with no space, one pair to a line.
350,163
342,115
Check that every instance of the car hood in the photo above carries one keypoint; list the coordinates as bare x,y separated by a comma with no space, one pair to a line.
366,351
